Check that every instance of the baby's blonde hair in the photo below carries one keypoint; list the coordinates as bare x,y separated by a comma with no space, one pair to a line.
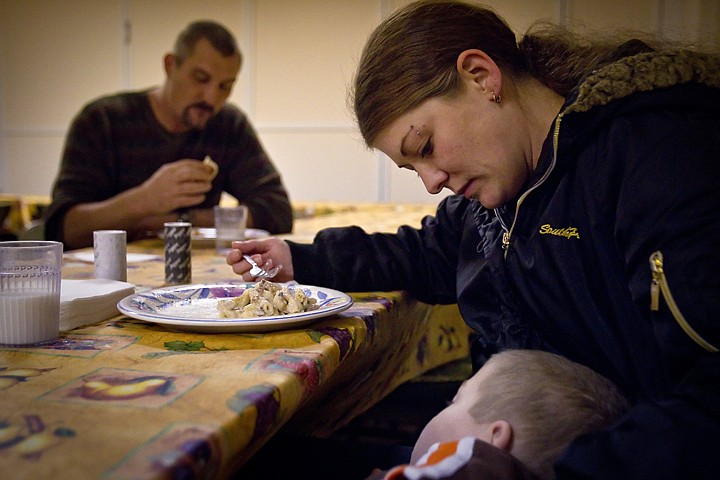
548,400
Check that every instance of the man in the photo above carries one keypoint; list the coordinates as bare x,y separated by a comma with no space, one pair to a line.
134,160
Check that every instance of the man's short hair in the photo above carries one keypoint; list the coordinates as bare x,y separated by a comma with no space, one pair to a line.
218,36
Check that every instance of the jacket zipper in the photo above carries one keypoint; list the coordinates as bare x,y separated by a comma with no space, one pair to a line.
659,286
508,233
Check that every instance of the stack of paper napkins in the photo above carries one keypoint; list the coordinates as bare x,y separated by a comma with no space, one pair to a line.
85,302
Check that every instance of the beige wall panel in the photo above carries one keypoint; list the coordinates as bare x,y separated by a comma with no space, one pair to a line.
33,164
323,165
710,25
154,32
520,14
55,56
306,54
406,187
695,22
608,14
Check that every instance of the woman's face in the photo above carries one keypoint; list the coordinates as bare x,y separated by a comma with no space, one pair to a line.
466,143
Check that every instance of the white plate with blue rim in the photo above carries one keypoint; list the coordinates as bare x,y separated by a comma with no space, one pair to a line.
195,308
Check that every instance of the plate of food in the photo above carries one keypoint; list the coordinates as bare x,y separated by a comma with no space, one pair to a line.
205,237
235,307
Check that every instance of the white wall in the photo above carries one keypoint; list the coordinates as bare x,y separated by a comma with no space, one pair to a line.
299,59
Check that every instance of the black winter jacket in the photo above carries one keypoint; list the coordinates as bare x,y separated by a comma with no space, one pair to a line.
630,167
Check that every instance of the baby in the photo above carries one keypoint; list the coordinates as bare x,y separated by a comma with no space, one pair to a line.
530,404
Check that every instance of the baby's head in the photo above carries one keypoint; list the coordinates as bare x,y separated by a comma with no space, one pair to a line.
530,403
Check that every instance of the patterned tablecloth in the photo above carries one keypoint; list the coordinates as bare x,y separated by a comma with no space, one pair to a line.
125,398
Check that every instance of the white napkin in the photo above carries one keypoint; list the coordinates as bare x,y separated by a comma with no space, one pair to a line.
85,302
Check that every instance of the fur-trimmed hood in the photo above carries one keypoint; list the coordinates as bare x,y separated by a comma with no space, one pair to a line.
646,82
645,72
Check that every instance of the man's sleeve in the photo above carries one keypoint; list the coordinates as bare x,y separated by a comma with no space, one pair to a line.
81,177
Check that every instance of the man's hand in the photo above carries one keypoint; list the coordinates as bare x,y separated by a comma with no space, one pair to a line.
180,184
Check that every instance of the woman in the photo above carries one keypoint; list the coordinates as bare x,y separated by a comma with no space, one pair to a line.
587,182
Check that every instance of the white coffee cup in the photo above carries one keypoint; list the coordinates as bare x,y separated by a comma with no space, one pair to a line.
110,253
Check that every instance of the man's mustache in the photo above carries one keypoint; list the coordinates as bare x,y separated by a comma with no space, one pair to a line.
204,106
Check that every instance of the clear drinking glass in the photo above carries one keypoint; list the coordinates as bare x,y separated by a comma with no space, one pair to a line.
30,273
230,225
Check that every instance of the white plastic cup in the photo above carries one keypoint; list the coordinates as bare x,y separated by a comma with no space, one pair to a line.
110,250
30,273
230,223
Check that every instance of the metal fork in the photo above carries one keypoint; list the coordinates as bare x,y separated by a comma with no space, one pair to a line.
259,272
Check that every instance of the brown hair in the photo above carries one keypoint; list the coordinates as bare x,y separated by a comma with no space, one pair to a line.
411,56
218,36
549,401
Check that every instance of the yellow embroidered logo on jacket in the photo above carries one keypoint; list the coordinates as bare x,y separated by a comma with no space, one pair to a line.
567,232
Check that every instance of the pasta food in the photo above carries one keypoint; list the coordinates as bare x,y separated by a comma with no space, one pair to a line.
211,163
266,299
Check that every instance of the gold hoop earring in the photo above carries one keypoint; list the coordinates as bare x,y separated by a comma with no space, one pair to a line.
496,98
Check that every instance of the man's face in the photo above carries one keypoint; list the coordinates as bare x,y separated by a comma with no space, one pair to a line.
199,86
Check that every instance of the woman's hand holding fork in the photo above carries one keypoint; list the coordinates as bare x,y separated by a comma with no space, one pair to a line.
269,253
